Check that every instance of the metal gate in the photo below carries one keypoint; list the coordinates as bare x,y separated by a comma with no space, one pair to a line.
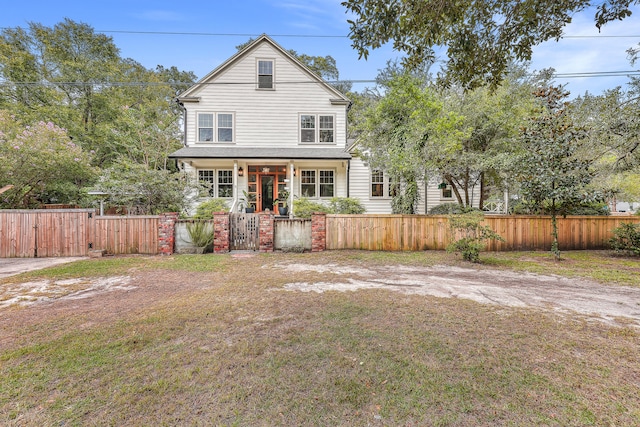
243,232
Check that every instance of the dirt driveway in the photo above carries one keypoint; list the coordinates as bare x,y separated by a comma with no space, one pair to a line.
506,288
610,304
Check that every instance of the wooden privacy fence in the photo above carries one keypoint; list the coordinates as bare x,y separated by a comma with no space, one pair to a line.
74,232
126,234
429,232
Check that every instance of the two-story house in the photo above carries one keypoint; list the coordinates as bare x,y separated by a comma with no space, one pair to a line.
262,122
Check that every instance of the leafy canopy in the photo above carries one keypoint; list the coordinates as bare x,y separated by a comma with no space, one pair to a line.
481,36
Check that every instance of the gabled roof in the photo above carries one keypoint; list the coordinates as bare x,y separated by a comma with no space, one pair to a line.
189,94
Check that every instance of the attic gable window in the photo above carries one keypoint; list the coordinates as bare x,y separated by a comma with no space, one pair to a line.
265,74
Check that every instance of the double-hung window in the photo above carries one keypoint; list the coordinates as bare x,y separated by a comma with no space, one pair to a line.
218,183
265,74
317,128
317,183
225,183
215,127
225,127
206,177
205,127
377,183
308,183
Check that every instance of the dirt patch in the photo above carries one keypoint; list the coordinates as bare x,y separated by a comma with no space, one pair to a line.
504,288
47,290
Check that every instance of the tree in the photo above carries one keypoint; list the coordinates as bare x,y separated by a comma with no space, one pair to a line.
42,163
481,37
550,174
74,77
406,133
492,119
144,191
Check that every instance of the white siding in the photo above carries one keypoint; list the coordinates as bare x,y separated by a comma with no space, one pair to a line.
265,118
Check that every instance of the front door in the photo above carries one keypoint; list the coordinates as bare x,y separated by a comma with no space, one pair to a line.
267,192
264,183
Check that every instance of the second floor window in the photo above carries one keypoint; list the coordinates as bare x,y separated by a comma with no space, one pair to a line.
215,127
205,127
317,128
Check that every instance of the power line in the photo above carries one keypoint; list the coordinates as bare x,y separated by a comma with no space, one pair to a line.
335,36
585,74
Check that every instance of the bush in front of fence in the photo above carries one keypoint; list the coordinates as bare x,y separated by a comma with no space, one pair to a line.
469,236
626,238
206,209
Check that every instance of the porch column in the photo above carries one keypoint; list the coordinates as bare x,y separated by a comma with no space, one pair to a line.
291,187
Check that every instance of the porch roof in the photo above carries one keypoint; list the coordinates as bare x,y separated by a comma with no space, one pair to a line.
294,153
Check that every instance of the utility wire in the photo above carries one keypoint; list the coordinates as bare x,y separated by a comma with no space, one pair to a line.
156,84
335,36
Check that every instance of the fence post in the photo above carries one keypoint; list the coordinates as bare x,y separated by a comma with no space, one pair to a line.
166,232
266,231
220,232
318,231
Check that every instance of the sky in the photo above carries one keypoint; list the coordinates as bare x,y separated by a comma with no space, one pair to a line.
313,27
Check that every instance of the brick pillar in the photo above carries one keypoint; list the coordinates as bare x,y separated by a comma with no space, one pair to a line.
318,232
266,231
220,232
167,232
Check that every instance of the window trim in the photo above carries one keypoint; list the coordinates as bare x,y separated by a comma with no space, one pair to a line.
317,183
273,73
215,129
317,130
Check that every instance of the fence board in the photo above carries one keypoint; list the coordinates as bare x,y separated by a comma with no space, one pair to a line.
126,234
431,232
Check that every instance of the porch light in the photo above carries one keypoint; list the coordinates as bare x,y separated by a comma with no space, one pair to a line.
240,171
294,172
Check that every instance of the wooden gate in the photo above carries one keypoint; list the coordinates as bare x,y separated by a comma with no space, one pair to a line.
46,233
243,232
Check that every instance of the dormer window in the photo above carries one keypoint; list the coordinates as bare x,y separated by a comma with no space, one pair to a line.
265,74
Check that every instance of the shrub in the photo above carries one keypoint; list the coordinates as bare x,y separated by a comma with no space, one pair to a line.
473,235
206,209
201,233
303,208
626,238
450,209
346,205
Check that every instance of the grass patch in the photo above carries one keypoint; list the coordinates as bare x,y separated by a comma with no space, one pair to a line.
236,350
601,266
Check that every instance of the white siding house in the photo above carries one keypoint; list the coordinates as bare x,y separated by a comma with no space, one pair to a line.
262,122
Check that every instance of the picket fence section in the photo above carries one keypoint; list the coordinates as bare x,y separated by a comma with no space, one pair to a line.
26,233
430,232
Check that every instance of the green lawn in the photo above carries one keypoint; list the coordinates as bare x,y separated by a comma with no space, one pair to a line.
214,340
